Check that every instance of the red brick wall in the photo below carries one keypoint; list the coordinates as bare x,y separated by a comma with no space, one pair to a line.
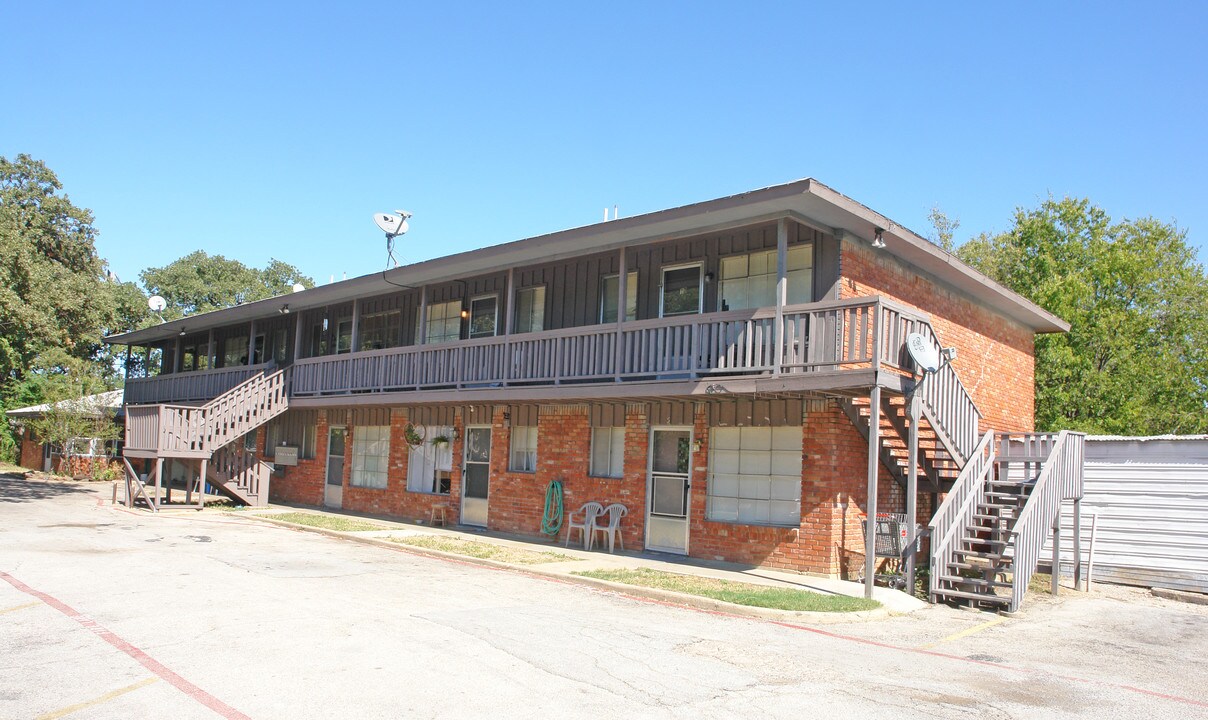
302,483
995,354
31,451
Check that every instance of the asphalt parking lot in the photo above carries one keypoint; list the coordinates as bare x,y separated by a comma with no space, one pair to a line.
106,613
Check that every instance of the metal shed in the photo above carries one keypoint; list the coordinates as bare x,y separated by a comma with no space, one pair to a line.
1150,495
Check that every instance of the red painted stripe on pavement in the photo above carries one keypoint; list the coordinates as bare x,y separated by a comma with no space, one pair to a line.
155,666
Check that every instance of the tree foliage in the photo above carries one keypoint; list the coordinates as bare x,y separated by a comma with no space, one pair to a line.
199,282
943,228
1135,359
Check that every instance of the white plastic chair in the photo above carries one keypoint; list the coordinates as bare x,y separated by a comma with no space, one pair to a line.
612,527
585,525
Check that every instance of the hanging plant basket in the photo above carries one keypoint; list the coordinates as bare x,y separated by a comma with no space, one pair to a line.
440,440
412,436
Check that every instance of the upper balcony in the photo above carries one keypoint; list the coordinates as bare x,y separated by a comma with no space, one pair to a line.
823,346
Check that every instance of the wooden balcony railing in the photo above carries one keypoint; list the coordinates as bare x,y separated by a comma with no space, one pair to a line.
200,386
816,337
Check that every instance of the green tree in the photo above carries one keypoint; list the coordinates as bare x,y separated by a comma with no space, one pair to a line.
198,283
943,228
1134,361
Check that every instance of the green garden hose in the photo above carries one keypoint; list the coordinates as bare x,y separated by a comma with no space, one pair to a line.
551,520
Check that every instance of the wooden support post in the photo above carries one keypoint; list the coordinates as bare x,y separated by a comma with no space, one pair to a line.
129,355
189,484
912,488
1056,550
211,352
251,343
782,249
176,359
159,474
147,361
874,444
510,303
354,341
297,339
622,293
201,484
423,315
1078,544
168,485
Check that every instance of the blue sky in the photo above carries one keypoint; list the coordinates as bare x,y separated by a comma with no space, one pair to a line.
260,130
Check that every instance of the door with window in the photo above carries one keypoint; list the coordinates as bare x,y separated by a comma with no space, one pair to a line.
333,488
667,490
476,481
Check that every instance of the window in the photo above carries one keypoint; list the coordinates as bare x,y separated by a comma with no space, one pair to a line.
344,336
318,339
607,452
249,441
429,466
380,330
370,456
608,297
681,291
749,281
530,310
258,350
483,316
87,447
280,345
234,351
755,475
523,456
444,322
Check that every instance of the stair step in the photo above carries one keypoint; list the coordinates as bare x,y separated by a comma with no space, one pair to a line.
1008,495
993,557
982,516
983,541
980,582
947,592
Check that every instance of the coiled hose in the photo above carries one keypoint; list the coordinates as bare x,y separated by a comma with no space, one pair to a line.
551,520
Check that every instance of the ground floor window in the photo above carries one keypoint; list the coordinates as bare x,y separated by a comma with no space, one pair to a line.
523,455
430,464
607,452
370,456
755,475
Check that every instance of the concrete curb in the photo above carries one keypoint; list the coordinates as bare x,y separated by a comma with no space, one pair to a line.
1180,595
647,593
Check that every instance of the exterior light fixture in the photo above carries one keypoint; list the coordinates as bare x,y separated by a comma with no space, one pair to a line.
879,241
709,277
182,331
285,309
465,313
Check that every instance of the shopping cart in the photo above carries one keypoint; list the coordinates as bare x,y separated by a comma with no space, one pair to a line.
893,544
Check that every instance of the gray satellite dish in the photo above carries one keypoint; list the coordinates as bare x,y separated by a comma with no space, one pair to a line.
156,303
392,225
923,352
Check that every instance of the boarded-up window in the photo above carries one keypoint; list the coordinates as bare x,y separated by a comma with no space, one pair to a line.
755,475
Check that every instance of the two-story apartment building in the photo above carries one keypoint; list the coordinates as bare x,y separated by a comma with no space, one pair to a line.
714,367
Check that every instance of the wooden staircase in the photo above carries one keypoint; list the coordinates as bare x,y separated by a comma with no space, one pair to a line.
987,535
208,434
937,468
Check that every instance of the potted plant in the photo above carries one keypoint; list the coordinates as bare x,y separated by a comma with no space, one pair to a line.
412,436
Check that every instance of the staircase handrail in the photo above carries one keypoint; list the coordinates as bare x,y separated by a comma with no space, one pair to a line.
1059,479
959,505
948,406
222,425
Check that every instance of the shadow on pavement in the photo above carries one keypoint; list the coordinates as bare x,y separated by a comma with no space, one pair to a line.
16,488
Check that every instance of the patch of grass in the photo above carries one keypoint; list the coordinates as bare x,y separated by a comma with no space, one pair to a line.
735,592
1040,583
327,522
479,549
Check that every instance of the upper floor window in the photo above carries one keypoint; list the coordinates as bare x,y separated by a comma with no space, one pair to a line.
681,290
380,330
280,345
344,336
749,281
444,322
530,310
608,297
484,316
234,351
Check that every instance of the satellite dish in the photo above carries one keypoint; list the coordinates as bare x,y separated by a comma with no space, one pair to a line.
923,352
156,303
299,287
392,225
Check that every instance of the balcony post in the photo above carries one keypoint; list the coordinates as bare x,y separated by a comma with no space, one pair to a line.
251,343
509,314
354,339
210,352
622,292
870,532
298,338
423,316
176,360
782,250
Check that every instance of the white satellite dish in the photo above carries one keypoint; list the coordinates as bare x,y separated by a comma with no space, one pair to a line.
392,225
156,303
299,287
923,352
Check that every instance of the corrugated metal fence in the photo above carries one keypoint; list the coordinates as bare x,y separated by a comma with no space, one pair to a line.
1151,499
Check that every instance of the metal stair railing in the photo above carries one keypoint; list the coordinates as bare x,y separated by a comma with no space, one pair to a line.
1060,479
959,506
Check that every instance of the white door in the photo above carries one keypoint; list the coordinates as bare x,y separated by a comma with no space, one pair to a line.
667,490
476,476
333,488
